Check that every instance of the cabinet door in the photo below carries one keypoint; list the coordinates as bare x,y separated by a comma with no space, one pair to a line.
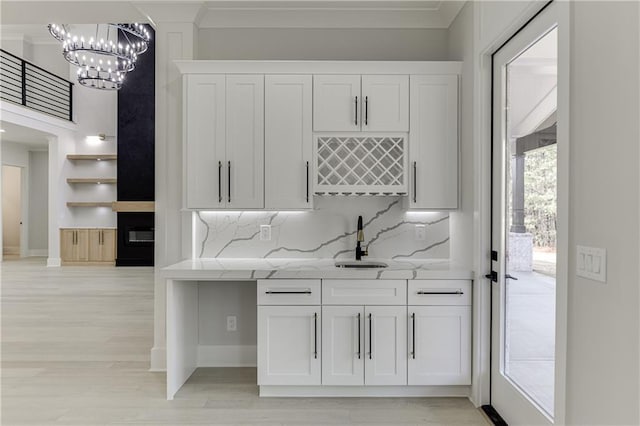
67,245
440,346
82,245
289,345
288,141
204,121
385,106
245,142
386,349
434,142
95,245
343,345
336,103
108,245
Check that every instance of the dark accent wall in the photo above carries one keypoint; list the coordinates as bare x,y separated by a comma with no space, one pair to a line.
136,129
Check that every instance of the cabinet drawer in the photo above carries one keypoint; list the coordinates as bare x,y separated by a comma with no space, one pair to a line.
364,292
288,292
440,292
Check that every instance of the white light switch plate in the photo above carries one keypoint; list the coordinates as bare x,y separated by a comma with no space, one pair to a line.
591,263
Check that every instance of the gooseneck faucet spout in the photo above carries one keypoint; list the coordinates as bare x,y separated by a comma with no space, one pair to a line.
360,239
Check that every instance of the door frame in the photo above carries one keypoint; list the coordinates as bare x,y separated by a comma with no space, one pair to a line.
482,122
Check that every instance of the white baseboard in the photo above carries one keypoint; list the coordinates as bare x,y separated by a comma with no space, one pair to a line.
158,359
37,252
11,250
54,262
227,356
365,391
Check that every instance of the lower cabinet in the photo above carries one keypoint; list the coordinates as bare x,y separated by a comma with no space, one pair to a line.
364,345
95,245
289,345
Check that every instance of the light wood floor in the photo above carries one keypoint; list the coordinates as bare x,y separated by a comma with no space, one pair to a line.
75,351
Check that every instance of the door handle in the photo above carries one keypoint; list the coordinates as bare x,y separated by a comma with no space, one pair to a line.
510,277
219,181
370,334
458,292
415,181
366,110
359,350
229,181
288,292
413,337
356,110
315,335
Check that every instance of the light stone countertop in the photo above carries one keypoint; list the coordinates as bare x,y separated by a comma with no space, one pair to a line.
260,268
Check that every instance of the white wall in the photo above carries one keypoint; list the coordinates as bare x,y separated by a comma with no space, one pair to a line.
603,323
322,44
38,203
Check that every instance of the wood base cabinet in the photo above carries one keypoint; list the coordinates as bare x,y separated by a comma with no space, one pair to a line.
88,246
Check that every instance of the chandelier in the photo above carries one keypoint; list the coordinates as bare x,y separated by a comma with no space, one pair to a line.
106,56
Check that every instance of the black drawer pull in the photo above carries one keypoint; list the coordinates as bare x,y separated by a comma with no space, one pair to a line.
453,293
288,292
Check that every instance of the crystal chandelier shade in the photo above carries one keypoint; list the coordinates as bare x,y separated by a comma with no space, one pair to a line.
106,56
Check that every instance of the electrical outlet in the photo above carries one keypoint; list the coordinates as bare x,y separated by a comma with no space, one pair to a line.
420,232
265,232
232,323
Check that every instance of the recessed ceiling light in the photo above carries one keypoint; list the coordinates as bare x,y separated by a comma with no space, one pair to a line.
2,130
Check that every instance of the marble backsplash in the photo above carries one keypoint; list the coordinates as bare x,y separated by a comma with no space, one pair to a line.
328,231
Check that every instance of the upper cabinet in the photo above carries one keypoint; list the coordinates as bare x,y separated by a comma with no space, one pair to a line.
351,103
433,142
224,134
288,133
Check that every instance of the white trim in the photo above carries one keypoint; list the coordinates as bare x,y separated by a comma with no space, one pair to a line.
158,359
227,356
37,252
54,262
365,391
17,114
318,67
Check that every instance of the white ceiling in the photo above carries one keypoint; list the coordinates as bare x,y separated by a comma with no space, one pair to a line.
236,13
33,139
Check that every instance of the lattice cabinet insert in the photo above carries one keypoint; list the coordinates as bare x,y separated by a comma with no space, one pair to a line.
361,165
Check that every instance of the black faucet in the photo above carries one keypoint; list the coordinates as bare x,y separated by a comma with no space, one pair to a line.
360,238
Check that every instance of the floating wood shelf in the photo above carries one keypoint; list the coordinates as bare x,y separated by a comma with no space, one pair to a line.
89,204
95,157
133,206
91,180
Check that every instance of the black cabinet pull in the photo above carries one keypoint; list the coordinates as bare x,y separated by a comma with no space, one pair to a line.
288,292
415,181
315,335
356,110
453,293
307,181
359,350
229,181
219,181
413,337
370,334
366,110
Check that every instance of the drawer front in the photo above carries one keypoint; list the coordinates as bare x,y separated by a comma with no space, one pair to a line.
289,292
440,292
364,292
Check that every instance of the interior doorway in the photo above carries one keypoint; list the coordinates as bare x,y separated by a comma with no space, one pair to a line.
12,196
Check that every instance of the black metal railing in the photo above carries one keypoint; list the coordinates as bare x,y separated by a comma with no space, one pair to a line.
34,87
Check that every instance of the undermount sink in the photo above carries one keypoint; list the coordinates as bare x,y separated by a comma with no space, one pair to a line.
360,264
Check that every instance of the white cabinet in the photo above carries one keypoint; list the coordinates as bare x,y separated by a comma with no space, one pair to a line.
289,345
364,345
433,142
204,124
245,142
288,141
386,352
439,332
350,103
224,141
